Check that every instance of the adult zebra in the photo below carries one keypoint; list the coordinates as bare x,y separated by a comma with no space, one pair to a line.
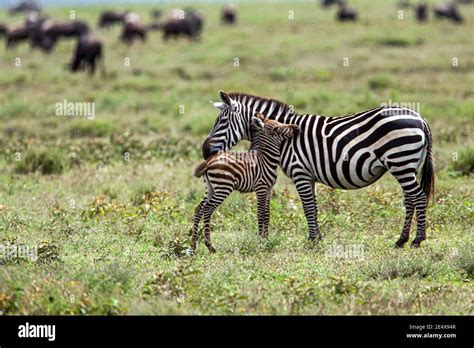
347,152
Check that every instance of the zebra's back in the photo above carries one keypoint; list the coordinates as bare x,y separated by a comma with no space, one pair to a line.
353,151
237,170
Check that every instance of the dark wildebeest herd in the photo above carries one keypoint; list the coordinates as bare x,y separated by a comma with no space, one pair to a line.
44,33
180,22
444,10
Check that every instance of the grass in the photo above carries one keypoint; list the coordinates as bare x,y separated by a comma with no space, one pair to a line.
100,128
44,161
463,163
99,210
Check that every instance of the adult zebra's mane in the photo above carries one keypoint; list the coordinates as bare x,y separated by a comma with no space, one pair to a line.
245,97
276,109
284,108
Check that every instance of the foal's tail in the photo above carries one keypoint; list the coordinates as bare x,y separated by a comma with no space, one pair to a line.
200,169
428,171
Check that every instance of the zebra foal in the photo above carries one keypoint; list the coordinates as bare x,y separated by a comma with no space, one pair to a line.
252,171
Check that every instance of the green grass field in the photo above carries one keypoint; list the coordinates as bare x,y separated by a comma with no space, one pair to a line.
107,203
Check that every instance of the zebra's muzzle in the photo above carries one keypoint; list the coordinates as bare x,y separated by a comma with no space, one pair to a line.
207,149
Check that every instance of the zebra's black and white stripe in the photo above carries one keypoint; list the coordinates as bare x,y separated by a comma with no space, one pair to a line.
252,171
346,152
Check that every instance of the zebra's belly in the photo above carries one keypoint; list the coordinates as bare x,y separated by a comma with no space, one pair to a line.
355,175
377,173
246,189
252,185
245,186
350,173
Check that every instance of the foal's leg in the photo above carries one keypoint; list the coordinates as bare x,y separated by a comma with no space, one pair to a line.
217,198
197,219
266,221
198,212
262,195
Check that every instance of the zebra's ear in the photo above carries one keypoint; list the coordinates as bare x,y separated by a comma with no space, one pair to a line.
218,105
233,104
257,122
225,98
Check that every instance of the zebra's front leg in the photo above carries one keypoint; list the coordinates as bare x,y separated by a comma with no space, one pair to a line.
263,202
267,213
305,188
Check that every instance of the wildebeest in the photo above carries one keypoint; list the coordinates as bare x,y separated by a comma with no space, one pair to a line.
87,55
109,18
229,14
421,12
329,3
195,20
56,30
34,23
346,13
25,7
3,30
30,30
16,35
133,29
404,4
448,11
187,22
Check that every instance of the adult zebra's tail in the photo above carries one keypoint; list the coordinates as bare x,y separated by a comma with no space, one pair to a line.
428,170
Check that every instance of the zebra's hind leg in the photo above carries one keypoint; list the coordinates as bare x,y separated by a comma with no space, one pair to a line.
305,188
415,200
217,198
409,210
197,219
421,203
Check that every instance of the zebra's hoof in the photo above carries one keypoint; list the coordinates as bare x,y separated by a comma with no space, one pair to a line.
400,244
315,238
212,250
417,242
189,252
